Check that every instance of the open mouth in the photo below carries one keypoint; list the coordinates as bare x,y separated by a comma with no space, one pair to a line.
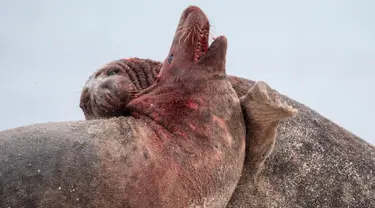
194,29
202,43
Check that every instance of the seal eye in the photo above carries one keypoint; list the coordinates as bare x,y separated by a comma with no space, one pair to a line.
112,72
170,58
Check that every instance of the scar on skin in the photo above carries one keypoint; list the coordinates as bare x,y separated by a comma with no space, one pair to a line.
192,105
222,125
192,126
220,121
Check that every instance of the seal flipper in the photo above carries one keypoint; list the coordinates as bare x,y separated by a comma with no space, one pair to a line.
263,110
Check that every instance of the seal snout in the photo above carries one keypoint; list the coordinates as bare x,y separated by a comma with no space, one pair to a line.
115,90
106,94
193,32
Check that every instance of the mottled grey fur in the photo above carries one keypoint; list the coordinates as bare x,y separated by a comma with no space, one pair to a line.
315,163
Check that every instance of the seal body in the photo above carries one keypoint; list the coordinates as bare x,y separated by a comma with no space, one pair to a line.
183,146
113,86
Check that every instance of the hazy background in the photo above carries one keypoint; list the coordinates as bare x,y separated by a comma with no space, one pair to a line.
320,53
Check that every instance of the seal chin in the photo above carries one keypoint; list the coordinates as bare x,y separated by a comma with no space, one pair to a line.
216,54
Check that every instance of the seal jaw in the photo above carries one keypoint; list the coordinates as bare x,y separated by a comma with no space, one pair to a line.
215,57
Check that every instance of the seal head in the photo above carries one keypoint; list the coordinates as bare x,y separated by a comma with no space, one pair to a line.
108,91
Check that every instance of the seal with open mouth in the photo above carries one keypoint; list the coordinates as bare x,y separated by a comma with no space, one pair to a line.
196,116
183,146
261,106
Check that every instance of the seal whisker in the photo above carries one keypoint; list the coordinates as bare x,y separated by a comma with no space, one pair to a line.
197,31
187,37
179,30
212,37
182,35
192,38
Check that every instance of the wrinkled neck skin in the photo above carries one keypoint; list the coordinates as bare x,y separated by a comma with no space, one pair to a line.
180,104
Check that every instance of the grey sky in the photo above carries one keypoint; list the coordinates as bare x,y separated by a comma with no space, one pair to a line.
320,53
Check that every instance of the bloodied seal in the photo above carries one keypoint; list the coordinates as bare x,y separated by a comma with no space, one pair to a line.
112,87
184,145
192,100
